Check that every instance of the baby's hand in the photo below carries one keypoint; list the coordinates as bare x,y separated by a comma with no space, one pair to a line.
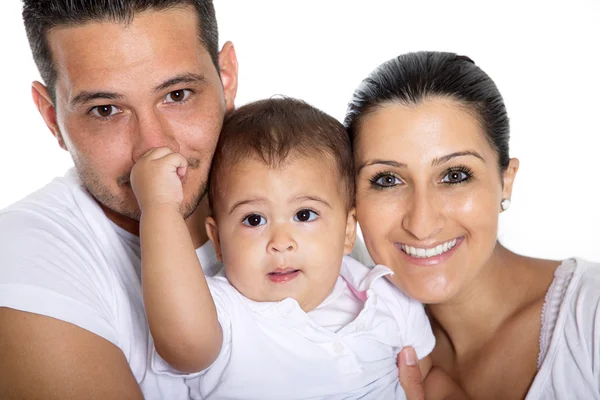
156,178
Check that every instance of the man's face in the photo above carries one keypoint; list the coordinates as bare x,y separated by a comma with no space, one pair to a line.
123,89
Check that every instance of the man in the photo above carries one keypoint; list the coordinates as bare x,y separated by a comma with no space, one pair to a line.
121,77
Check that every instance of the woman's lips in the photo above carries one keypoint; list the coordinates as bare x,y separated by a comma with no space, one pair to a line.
429,256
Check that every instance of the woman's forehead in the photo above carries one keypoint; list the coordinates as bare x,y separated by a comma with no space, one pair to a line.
425,129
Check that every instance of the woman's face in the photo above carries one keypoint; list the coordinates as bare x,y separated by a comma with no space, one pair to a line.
428,195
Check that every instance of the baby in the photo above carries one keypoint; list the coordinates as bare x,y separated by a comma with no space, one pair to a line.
289,316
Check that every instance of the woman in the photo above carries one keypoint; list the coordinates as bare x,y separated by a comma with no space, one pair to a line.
430,135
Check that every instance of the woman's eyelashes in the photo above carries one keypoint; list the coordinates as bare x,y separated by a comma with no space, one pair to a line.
385,180
451,176
303,215
457,175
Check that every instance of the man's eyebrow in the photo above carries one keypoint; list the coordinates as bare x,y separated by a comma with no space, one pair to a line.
390,163
312,198
448,157
247,201
183,78
86,97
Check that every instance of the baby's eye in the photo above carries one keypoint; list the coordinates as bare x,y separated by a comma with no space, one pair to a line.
305,215
254,220
386,180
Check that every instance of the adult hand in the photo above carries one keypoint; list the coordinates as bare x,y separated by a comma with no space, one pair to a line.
156,178
409,374
437,385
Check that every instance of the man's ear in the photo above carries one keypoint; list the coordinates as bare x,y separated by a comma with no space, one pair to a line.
229,73
212,231
350,231
43,102
508,178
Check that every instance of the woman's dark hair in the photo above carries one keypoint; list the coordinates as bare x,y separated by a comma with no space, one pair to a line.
413,77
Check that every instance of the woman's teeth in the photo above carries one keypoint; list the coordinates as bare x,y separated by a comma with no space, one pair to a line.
426,253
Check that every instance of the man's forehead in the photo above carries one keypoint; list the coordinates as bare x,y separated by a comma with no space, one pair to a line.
151,47
163,27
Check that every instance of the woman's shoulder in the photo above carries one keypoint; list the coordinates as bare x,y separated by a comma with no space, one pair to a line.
585,275
576,282
568,340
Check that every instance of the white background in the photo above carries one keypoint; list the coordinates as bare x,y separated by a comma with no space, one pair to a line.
543,55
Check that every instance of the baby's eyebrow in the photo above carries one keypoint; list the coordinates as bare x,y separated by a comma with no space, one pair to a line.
313,198
246,201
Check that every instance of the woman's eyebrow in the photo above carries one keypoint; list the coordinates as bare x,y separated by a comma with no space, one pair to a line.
391,163
448,157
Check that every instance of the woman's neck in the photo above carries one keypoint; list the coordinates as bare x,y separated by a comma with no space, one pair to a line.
508,284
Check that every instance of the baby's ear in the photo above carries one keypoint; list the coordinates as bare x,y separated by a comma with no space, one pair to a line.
350,231
212,230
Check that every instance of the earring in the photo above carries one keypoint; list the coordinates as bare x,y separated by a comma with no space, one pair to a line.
505,204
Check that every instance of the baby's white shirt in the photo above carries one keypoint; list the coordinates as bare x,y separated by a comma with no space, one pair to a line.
344,349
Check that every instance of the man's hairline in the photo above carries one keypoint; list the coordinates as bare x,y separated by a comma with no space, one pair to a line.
52,89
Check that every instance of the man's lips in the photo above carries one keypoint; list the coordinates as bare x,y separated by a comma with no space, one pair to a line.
282,275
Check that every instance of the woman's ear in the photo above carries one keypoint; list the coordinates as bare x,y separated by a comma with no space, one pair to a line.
350,231
508,178
212,231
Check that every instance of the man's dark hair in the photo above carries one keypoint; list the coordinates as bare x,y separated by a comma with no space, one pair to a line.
40,16
276,130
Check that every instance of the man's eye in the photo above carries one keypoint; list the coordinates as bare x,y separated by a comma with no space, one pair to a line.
305,216
386,180
178,96
254,220
105,111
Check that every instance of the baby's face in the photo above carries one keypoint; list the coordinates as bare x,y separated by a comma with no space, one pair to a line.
282,232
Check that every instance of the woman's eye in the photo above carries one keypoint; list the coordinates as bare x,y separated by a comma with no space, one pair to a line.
254,220
455,177
305,216
105,111
177,96
386,180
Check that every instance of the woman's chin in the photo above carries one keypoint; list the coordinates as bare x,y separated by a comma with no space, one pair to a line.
430,289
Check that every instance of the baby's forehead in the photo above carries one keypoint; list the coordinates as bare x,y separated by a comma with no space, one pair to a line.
296,171
318,161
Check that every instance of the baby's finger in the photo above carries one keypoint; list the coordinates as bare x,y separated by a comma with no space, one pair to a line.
157,152
177,163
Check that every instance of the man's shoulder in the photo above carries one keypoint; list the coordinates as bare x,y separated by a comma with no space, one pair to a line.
55,208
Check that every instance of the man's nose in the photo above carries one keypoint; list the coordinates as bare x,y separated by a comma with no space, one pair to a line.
152,131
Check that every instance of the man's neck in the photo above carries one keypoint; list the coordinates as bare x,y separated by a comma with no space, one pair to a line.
194,222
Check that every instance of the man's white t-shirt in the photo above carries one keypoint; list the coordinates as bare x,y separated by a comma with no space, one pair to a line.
60,256
344,349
